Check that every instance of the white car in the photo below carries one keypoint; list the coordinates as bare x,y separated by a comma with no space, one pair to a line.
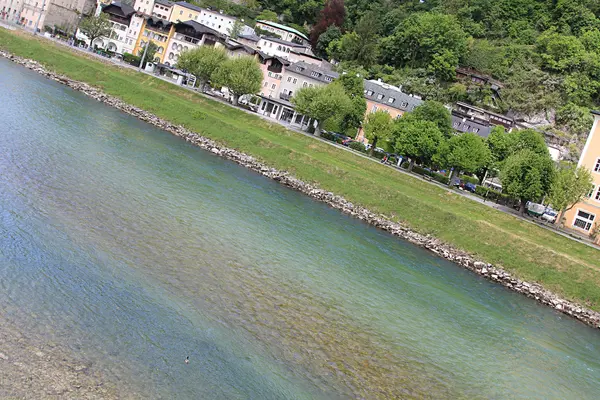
549,216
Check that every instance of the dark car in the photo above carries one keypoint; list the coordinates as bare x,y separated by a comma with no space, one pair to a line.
469,187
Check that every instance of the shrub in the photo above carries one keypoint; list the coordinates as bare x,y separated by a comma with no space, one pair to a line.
378,154
132,59
440,178
358,146
470,179
420,170
327,135
481,191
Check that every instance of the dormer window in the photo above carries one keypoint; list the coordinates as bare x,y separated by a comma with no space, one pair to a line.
328,78
369,93
391,100
404,105
299,69
315,74
379,96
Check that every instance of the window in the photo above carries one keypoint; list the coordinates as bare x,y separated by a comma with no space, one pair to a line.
369,93
328,78
391,100
266,83
285,91
273,86
598,195
475,130
379,96
374,109
315,74
404,104
597,167
305,84
295,80
289,78
584,220
456,124
181,12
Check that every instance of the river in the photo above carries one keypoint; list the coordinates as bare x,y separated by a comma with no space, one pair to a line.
130,250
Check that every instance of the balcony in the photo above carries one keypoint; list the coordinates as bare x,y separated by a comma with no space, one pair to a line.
285,96
185,38
276,76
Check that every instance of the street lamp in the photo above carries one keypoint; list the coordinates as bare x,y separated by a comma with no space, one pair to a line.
35,28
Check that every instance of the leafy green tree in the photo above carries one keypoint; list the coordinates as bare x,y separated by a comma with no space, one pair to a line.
574,119
467,152
528,139
378,126
435,112
353,85
574,16
241,75
332,33
202,62
235,30
422,36
321,103
267,15
527,176
530,91
561,53
94,27
150,52
443,66
568,188
416,139
500,145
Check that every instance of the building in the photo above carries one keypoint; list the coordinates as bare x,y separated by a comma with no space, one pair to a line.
188,35
584,216
493,118
119,15
284,32
60,14
391,99
281,48
272,68
467,123
158,31
162,9
294,77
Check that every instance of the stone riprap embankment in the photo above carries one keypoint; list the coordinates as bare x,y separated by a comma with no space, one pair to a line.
493,273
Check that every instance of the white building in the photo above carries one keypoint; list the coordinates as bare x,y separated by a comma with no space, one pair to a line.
284,32
281,48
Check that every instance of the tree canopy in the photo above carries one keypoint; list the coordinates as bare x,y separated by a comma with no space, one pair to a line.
322,103
378,126
241,75
417,139
466,152
569,186
202,61
94,27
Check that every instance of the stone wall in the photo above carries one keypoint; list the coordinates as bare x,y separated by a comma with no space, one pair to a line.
493,273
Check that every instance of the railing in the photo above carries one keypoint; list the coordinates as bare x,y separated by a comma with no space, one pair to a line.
276,76
185,38
285,96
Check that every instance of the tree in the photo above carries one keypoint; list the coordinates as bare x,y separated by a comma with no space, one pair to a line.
527,175
353,85
150,53
568,188
202,62
235,30
435,112
322,103
378,126
422,36
241,75
267,15
332,33
94,27
467,152
500,145
416,139
333,13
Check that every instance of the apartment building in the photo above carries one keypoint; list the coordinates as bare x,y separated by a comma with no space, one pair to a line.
584,216
281,48
389,98
157,31
186,36
35,14
119,14
294,77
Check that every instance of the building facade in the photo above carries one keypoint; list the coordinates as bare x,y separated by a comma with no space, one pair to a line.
36,14
158,31
391,99
186,36
284,32
584,216
281,48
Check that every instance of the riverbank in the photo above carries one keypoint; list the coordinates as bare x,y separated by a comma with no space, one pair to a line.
385,199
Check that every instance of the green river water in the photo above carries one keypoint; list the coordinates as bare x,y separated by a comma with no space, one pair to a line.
133,249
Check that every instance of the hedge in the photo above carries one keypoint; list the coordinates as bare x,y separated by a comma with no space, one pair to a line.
132,59
358,146
469,179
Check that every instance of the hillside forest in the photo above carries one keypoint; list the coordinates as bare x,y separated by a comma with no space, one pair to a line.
542,55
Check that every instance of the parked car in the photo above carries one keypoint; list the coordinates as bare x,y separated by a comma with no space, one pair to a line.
549,216
346,142
469,187
535,209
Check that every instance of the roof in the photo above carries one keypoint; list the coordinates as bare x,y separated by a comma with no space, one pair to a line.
120,9
189,6
283,27
198,27
287,43
266,56
595,112
483,111
233,45
382,93
464,123
252,38
164,2
311,71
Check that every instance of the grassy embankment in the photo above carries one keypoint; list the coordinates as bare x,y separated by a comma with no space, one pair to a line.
567,267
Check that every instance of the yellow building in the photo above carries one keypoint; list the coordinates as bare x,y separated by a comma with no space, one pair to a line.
183,12
584,216
157,31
